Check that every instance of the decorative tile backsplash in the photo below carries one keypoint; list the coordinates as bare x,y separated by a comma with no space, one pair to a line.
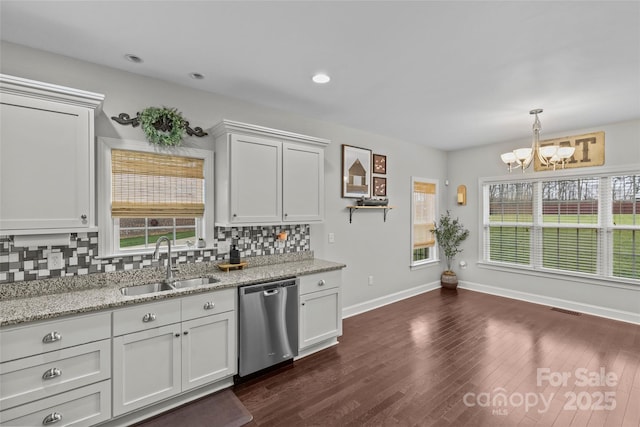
79,256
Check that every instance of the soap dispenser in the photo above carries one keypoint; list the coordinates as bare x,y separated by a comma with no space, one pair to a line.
234,255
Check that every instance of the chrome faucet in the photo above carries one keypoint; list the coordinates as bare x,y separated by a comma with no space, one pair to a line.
169,277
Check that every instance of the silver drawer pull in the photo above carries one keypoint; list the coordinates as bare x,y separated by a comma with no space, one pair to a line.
149,317
51,373
51,337
52,418
209,305
321,282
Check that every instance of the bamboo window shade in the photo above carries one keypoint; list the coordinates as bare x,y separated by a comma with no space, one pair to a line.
156,185
424,195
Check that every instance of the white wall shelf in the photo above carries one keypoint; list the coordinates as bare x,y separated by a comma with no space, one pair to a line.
355,208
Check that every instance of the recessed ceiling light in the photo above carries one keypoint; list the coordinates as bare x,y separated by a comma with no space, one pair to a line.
321,78
133,58
196,76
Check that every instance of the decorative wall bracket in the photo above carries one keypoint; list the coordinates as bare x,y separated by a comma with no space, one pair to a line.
124,119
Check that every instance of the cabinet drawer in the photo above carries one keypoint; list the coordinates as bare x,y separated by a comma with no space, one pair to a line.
31,378
22,341
146,316
320,281
208,303
84,406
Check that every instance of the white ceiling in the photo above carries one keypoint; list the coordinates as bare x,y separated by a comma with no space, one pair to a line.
446,74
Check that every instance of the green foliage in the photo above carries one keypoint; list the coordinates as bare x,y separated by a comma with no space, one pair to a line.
450,234
162,126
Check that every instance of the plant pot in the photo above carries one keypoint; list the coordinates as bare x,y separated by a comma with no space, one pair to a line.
449,280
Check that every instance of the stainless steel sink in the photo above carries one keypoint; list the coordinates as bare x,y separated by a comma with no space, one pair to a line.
151,288
190,283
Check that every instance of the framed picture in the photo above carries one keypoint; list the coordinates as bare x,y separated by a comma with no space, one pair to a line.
379,164
379,186
356,172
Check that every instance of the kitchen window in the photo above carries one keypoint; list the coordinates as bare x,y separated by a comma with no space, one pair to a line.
423,216
150,192
585,226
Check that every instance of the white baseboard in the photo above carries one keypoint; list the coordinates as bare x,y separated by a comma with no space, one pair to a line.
388,299
623,316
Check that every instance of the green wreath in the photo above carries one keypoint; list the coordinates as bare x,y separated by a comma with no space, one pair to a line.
162,126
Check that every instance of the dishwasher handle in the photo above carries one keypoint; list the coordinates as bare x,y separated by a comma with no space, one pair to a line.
271,292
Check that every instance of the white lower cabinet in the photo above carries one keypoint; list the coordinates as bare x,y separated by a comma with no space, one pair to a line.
208,349
157,363
43,375
85,406
146,367
56,372
320,310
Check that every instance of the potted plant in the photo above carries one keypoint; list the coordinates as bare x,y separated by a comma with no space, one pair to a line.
450,233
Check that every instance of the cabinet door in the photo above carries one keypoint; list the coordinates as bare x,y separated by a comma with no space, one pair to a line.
320,317
146,367
303,183
45,165
256,180
208,349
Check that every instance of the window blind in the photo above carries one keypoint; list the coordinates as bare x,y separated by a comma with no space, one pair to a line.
625,239
570,225
156,185
424,214
587,224
509,223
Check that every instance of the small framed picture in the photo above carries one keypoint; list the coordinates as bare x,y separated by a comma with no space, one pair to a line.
379,164
379,186
356,172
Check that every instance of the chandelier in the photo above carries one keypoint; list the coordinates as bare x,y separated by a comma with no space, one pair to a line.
548,155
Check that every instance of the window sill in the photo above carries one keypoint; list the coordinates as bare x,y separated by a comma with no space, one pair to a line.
143,252
424,264
559,275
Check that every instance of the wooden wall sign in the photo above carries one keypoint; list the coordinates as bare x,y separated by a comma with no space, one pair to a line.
589,150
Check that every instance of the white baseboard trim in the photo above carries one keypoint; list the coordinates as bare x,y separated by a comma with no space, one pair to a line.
609,313
388,299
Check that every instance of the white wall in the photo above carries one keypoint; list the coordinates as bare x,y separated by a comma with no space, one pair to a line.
622,148
368,246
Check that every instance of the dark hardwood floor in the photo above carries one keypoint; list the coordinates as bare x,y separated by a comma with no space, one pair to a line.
460,358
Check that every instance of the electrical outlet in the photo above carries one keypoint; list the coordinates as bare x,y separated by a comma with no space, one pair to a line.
55,261
223,247
370,280
332,238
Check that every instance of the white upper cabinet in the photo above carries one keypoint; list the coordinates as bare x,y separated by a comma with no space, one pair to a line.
46,157
256,180
303,183
266,176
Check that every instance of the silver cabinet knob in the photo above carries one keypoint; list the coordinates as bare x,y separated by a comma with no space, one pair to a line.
52,418
51,337
51,373
83,217
149,317
209,305
322,283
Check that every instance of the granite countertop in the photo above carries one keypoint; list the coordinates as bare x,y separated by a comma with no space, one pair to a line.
50,298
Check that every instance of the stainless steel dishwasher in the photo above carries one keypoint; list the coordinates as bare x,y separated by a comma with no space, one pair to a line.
268,324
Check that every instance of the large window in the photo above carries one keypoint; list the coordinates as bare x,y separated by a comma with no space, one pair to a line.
149,193
577,225
423,216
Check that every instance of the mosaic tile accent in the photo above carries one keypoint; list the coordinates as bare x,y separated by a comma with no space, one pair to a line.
79,256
